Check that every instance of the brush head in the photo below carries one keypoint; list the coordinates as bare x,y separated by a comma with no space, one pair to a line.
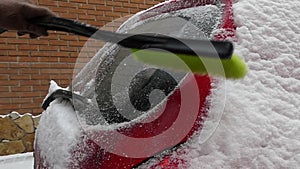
234,68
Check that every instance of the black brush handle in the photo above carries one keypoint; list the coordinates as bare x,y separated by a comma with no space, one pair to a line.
64,94
190,47
205,48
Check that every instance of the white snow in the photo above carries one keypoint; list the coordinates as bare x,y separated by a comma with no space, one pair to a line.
56,151
65,127
18,161
260,126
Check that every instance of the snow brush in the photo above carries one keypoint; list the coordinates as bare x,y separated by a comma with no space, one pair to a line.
188,50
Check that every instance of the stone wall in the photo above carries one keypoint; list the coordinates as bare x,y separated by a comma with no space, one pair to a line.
17,133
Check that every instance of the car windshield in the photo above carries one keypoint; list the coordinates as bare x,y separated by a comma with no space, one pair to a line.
122,88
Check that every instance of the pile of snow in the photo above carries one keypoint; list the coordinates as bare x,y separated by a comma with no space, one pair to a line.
58,138
260,127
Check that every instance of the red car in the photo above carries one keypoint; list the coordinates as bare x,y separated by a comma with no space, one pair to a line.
119,113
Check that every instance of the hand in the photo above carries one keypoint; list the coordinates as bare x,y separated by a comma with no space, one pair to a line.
16,14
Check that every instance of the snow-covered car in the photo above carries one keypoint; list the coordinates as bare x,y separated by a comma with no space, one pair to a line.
118,112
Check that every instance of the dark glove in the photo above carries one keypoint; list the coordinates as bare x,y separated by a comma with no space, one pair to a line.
16,14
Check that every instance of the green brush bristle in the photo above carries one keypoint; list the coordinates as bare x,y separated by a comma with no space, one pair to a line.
233,68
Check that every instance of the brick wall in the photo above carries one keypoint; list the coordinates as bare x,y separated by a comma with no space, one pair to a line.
27,65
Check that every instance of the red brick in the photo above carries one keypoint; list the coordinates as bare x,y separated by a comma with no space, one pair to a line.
76,43
97,2
112,14
20,77
28,59
4,88
28,71
29,82
40,77
8,71
4,77
18,53
80,1
60,54
48,3
58,43
17,41
39,100
9,95
48,59
40,53
68,37
48,48
20,65
40,88
45,82
21,100
143,6
86,17
77,11
50,71
4,65
27,47
66,71
120,9
5,101
130,5
9,83
95,12
104,18
21,89
68,49
138,1
113,3
38,42
30,106
86,6
9,106
30,94
8,59
3,52
8,47
68,60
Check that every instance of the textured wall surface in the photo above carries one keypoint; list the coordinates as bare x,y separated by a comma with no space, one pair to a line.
17,133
